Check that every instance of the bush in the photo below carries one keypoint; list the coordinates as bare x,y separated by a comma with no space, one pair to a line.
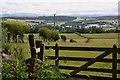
63,37
15,28
46,72
17,69
14,69
48,35
5,45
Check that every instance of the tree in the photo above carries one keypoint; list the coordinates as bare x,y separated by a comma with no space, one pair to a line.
44,33
97,30
63,37
54,35
15,28
48,35
71,30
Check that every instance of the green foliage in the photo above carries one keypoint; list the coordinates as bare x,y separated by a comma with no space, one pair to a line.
46,72
15,27
97,30
91,30
4,34
54,35
44,32
15,69
70,30
47,34
5,45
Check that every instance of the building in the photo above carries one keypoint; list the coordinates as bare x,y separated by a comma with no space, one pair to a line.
93,26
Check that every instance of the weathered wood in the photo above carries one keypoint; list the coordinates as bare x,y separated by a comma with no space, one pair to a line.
56,54
41,53
31,40
119,50
91,62
38,43
79,48
114,63
33,52
89,69
80,59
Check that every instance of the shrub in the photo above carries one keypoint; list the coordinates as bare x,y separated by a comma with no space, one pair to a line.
47,34
63,37
46,72
15,28
17,69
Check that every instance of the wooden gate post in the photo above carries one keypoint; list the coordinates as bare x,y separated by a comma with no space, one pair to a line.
56,55
114,63
32,49
31,40
33,52
41,53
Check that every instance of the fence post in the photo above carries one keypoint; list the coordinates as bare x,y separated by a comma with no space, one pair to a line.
38,43
32,49
33,52
114,63
57,55
41,53
31,40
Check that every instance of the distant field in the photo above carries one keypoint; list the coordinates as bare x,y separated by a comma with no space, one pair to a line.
109,28
110,21
100,40
26,21
102,36
71,36
78,19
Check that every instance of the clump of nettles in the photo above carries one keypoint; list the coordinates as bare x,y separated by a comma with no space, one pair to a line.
17,69
47,72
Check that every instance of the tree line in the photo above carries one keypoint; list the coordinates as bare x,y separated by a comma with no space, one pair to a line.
15,30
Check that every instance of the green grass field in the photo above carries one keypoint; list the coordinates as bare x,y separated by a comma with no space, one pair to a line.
103,41
102,36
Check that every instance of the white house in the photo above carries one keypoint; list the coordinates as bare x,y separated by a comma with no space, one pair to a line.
93,26
98,26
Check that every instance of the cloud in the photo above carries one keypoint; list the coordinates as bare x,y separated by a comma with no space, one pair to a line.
60,6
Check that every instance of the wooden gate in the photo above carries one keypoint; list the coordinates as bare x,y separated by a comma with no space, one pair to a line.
107,51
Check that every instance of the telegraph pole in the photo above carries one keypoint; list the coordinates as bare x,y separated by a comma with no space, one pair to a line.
54,20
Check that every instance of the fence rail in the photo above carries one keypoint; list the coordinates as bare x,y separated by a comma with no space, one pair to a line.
78,48
105,51
81,59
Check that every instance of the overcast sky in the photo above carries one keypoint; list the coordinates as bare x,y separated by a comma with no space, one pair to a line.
59,6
